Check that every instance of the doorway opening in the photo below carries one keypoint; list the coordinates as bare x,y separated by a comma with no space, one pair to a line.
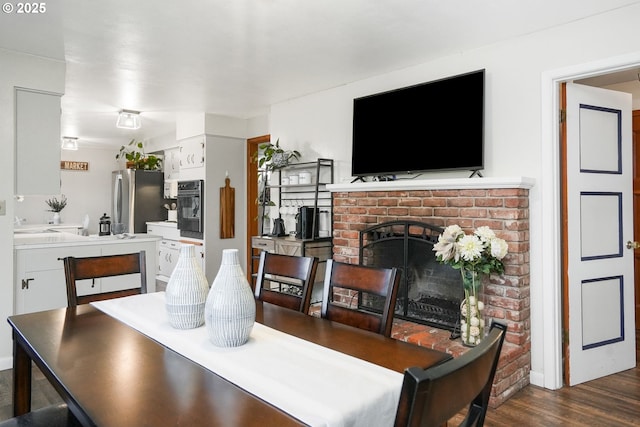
612,79
253,145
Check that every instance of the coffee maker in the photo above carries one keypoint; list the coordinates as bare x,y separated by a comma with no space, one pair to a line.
305,220
105,225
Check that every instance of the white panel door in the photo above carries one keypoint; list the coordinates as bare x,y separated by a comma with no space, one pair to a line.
600,222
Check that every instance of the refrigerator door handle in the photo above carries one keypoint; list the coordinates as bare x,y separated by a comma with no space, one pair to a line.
117,199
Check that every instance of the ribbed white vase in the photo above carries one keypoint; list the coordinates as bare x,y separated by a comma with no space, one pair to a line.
186,292
230,311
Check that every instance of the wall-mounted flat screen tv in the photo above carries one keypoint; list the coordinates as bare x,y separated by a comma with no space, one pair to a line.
433,126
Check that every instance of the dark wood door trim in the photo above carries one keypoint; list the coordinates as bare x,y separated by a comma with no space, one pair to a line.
252,194
564,232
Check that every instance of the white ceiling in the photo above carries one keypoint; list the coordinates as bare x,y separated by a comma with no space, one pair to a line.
238,57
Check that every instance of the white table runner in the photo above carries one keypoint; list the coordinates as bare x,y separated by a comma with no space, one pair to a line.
317,385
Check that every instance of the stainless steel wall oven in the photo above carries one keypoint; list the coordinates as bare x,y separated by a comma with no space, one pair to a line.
191,208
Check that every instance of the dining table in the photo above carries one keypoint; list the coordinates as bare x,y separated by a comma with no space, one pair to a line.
120,363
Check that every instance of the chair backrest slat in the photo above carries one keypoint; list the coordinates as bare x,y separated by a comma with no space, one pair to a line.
76,268
293,272
357,281
430,397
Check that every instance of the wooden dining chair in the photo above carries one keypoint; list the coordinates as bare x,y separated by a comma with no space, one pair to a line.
293,277
352,282
430,397
103,266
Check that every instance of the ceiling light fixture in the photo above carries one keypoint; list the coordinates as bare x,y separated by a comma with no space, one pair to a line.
69,143
128,119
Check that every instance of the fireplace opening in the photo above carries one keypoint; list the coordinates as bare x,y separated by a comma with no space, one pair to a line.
430,293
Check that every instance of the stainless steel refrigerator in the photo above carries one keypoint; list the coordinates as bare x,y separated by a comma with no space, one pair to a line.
137,197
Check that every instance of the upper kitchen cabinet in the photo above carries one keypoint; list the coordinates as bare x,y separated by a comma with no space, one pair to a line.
172,163
37,142
192,152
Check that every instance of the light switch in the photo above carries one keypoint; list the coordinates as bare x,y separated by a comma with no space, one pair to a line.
3,207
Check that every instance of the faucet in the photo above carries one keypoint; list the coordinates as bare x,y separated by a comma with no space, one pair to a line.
19,221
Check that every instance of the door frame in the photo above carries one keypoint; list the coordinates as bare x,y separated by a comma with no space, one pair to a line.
252,194
551,227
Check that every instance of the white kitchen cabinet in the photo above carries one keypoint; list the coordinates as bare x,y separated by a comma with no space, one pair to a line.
169,247
172,163
165,229
37,169
40,280
168,254
192,153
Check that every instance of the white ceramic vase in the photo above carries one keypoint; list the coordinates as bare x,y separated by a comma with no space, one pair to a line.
230,311
56,218
186,292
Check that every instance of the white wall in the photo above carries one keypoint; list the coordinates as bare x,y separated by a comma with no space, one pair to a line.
320,125
30,72
161,142
224,155
74,184
257,126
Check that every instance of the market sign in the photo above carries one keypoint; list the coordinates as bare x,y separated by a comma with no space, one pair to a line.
74,166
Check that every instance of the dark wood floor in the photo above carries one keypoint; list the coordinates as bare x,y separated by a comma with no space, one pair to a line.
609,401
43,394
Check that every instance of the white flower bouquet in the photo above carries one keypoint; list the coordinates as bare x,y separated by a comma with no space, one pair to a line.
474,255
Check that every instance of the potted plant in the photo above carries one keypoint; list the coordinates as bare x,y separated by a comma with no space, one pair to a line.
275,157
136,157
56,207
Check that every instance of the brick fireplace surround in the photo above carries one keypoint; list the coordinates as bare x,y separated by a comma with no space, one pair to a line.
500,203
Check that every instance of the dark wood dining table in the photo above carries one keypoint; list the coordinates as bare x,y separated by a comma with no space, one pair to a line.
110,374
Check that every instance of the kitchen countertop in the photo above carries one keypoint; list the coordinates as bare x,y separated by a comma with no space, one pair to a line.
37,228
51,239
171,224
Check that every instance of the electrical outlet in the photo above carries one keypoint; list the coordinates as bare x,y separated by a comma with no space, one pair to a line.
3,207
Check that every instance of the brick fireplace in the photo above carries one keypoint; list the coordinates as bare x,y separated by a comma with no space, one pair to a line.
502,204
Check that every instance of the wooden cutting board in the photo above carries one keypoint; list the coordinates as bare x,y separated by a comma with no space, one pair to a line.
227,210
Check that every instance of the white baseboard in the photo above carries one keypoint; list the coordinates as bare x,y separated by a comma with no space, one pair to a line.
6,363
536,378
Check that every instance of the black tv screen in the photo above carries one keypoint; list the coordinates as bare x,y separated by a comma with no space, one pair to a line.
438,125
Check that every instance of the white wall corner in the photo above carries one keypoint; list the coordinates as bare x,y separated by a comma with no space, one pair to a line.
161,142
258,126
225,126
189,124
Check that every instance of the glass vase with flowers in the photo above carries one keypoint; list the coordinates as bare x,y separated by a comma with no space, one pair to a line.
476,255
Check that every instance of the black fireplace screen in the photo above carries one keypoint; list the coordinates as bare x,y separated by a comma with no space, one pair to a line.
430,293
